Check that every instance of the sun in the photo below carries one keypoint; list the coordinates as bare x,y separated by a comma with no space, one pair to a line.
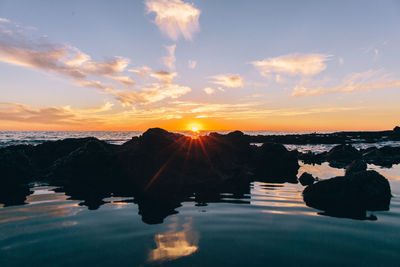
195,129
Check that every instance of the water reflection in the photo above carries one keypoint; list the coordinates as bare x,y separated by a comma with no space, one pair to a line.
278,198
322,171
44,202
175,243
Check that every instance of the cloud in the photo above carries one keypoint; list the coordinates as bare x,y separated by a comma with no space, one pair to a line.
174,17
4,20
228,80
151,94
143,71
169,60
50,115
192,64
164,76
39,53
293,64
355,82
209,90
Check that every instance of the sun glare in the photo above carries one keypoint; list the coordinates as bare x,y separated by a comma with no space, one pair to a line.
195,129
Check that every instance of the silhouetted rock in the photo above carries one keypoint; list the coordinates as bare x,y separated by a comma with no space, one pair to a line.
306,178
385,156
356,166
342,155
396,130
93,160
351,195
275,163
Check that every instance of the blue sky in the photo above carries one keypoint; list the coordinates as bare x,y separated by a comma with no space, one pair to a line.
258,65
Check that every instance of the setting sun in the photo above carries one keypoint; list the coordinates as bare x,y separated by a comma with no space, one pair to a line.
195,129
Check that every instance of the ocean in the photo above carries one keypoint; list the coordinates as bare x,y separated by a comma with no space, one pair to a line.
268,225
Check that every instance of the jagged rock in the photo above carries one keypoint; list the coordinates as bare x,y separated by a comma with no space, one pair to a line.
356,166
350,195
306,178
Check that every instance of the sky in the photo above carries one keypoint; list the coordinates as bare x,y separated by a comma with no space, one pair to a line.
214,65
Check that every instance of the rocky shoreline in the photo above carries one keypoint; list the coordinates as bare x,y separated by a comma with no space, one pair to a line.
161,169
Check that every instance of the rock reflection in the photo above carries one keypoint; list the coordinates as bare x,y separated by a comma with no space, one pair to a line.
175,244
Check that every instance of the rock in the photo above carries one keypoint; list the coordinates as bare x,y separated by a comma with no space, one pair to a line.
356,166
274,163
93,160
15,165
396,130
341,155
350,195
385,156
306,179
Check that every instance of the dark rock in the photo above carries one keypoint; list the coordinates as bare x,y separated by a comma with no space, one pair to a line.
396,130
351,195
341,155
93,160
356,166
306,178
16,166
385,156
273,162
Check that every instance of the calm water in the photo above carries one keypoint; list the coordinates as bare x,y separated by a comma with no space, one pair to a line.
269,225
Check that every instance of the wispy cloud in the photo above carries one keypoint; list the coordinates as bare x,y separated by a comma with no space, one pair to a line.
155,93
70,62
192,64
50,115
4,20
143,71
170,59
41,54
228,80
209,90
293,64
164,76
174,18
368,80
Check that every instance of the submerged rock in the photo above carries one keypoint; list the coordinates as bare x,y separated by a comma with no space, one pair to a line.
306,178
350,195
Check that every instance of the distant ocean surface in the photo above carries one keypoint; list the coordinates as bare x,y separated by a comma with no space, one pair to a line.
119,137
